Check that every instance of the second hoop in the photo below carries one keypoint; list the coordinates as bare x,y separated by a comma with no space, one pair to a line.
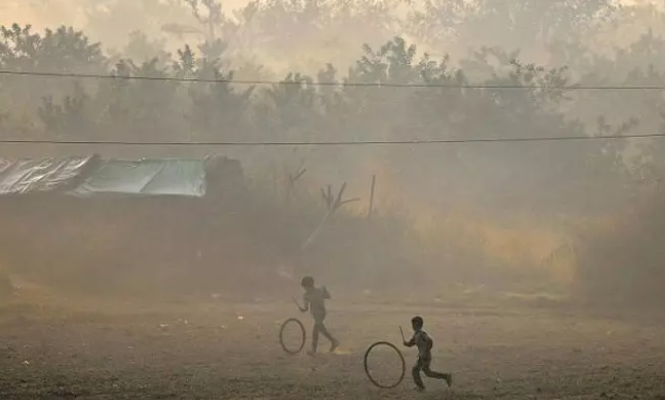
299,335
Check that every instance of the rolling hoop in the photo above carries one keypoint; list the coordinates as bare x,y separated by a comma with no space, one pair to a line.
401,357
296,322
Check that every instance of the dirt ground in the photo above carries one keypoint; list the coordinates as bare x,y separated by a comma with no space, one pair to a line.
207,350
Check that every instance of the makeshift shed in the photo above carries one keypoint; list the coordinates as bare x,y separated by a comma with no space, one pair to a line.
92,175
154,218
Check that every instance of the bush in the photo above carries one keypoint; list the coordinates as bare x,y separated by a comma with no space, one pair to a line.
623,263
6,288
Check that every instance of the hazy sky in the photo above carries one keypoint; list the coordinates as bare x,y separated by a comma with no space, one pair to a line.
20,10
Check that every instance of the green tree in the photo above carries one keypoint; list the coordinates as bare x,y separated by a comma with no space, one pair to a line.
64,50
217,111
290,110
140,48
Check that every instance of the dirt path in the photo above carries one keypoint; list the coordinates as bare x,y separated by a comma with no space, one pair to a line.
231,352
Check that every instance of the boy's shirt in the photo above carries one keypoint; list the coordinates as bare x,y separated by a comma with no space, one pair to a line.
315,299
424,343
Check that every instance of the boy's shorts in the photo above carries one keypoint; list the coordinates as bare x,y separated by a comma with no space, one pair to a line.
319,317
424,361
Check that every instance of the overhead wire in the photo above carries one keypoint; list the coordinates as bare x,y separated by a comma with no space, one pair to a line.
412,142
415,141
341,84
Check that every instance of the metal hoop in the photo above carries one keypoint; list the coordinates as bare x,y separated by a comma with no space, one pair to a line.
399,353
303,333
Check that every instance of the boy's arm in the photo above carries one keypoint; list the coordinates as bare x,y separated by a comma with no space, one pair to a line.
306,305
411,342
326,294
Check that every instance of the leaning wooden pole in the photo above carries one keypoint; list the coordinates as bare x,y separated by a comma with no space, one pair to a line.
371,198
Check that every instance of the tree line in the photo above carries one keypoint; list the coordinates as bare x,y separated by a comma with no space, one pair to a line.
553,183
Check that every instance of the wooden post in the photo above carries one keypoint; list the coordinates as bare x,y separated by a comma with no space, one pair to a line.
371,198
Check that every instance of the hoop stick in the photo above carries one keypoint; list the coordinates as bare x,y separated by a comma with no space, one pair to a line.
402,333
296,303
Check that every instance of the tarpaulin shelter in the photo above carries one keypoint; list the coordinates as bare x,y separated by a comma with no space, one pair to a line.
83,212
89,176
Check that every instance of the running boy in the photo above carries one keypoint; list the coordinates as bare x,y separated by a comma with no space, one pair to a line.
315,299
424,343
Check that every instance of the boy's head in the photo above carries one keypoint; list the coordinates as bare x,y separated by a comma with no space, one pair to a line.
417,323
307,282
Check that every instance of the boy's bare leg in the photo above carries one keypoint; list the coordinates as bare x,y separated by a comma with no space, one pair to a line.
436,375
315,338
417,379
333,342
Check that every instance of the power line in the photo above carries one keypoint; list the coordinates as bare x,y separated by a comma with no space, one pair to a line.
342,84
335,143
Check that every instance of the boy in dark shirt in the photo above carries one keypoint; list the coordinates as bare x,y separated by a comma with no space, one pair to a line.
315,301
424,343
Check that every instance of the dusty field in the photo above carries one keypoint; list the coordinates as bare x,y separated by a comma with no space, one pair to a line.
216,351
